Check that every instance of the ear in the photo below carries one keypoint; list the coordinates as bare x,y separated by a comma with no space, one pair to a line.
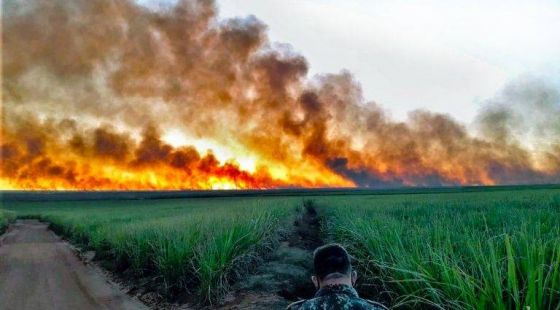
354,277
315,281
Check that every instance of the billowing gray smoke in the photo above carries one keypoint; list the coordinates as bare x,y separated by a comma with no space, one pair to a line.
91,86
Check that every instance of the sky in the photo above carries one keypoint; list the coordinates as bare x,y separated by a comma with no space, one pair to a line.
444,56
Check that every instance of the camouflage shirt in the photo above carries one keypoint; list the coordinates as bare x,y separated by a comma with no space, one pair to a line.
334,297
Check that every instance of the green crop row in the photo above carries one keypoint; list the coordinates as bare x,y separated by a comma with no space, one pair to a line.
5,218
464,251
197,246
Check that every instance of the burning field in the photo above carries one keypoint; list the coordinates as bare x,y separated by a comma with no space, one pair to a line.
112,95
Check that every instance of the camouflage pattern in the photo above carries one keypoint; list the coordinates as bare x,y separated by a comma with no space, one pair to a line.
333,297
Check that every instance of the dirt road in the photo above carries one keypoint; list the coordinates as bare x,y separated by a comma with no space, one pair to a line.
40,271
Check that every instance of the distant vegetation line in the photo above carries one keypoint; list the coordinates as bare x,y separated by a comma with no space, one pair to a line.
54,195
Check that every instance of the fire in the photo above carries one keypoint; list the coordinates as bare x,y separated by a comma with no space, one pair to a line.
216,183
147,164
110,95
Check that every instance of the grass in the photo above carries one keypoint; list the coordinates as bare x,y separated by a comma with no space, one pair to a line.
196,247
5,218
461,251
482,249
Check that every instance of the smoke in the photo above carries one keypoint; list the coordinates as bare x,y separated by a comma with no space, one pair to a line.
90,87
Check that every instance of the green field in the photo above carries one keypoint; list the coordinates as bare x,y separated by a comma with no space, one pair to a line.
5,218
482,249
194,246
458,251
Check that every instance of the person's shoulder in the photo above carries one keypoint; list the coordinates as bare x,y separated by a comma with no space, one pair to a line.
295,305
370,304
305,304
354,303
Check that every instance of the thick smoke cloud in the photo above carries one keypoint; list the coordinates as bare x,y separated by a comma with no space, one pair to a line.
91,86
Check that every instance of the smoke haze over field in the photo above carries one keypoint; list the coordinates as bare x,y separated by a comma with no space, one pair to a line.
112,95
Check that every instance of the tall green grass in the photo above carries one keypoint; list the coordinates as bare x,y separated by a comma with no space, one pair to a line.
5,218
457,250
462,251
198,247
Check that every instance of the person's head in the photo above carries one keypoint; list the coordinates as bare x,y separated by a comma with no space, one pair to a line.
332,266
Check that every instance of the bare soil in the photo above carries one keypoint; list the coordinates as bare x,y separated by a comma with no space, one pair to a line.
285,275
38,270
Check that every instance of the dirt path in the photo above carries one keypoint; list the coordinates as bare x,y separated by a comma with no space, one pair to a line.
40,271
